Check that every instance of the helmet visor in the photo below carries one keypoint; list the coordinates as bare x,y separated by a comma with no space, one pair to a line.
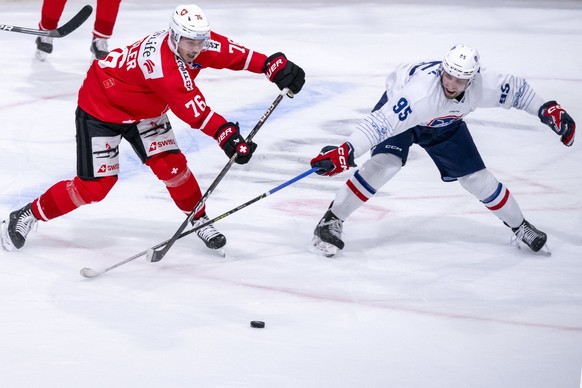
192,45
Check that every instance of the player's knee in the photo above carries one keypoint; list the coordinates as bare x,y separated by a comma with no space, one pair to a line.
89,191
171,168
380,168
481,184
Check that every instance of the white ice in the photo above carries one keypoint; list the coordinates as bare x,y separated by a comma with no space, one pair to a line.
426,293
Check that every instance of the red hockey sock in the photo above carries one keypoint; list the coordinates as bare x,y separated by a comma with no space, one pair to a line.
105,18
172,169
51,14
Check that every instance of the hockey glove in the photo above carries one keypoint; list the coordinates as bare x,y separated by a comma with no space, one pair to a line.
231,142
284,73
559,120
333,160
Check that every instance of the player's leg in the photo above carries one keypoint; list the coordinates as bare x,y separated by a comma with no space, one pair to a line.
51,12
499,200
387,159
97,167
105,18
155,143
457,157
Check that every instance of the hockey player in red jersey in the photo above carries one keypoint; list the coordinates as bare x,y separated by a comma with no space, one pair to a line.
105,18
425,103
126,96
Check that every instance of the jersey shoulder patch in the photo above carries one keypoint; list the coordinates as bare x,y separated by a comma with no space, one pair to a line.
150,55
213,45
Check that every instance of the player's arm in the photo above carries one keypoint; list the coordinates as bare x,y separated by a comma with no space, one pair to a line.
190,106
223,53
509,91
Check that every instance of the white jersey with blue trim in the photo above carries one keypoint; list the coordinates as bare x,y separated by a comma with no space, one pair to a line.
416,97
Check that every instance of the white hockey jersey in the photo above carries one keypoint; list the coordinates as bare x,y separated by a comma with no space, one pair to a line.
416,97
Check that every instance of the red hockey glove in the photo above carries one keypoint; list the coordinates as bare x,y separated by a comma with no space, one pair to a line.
284,73
559,120
333,160
229,138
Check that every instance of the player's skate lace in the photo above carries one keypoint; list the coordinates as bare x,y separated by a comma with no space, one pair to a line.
99,48
211,237
44,46
530,236
329,230
15,229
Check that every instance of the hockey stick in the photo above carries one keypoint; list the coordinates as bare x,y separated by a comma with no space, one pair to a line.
60,32
155,255
91,273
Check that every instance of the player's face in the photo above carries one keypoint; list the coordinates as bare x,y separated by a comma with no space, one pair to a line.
453,86
190,48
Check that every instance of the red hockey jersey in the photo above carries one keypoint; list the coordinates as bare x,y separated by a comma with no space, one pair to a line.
146,79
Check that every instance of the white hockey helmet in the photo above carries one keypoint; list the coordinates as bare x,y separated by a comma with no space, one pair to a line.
188,21
462,62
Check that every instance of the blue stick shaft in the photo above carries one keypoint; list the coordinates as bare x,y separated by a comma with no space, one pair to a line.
91,273
293,180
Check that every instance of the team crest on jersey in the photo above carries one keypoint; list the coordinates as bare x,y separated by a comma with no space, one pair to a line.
443,121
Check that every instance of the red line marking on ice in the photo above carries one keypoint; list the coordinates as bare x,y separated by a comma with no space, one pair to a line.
411,310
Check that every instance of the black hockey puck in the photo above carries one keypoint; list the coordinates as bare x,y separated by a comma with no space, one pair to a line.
257,324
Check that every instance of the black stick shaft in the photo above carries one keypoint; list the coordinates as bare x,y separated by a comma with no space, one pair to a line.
60,32
157,255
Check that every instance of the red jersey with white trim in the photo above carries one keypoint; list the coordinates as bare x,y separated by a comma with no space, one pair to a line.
146,79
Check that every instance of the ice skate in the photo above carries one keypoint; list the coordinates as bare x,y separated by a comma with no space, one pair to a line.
44,46
15,229
99,48
209,235
527,234
327,235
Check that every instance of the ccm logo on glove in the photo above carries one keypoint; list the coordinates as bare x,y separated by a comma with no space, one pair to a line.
334,160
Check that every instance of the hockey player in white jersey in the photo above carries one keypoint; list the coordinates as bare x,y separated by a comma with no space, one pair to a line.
425,103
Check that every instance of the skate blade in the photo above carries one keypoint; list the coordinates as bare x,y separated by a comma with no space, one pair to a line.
322,248
6,242
220,252
40,55
544,251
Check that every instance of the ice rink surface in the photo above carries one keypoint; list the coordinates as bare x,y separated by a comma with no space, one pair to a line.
427,292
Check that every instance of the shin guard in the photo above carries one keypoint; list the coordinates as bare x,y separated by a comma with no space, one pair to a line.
362,186
494,195
172,169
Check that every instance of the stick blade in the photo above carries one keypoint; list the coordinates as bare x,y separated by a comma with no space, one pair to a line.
73,24
89,273
154,256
